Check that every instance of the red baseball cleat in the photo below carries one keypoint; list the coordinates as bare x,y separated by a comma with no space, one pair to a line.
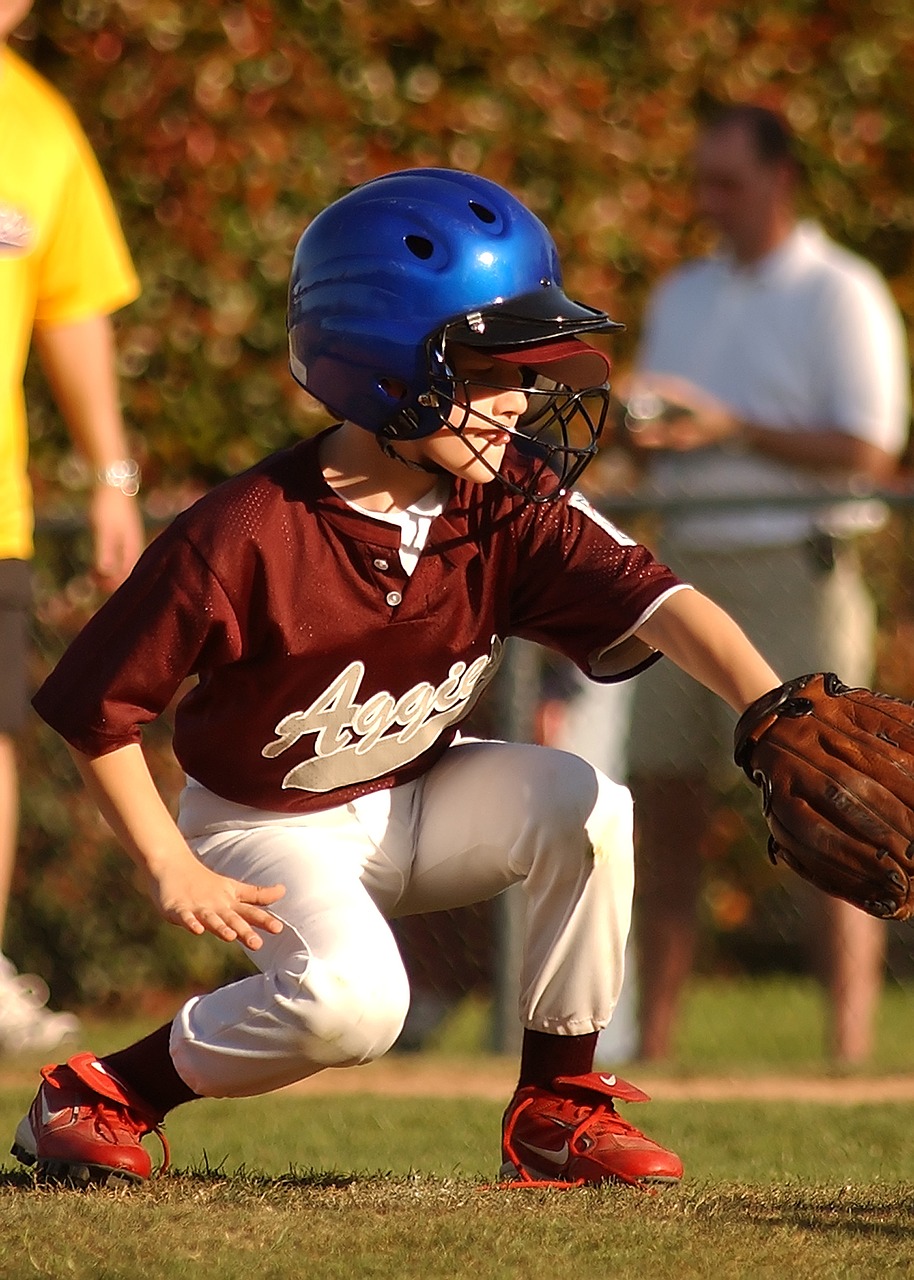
572,1135
85,1126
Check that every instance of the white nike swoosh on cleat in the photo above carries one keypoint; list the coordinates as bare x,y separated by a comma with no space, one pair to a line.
47,1115
608,1080
557,1158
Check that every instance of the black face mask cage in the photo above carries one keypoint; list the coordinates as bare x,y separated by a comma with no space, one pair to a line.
558,431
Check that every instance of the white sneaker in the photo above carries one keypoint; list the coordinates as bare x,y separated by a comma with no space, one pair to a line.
26,1026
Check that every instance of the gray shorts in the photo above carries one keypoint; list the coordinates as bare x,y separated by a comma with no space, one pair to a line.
15,613
801,613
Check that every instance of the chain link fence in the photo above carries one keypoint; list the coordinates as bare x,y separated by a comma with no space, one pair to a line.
80,918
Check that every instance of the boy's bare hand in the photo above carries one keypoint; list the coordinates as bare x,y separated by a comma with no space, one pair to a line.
202,901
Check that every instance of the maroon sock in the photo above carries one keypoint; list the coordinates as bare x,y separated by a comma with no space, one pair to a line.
147,1068
543,1057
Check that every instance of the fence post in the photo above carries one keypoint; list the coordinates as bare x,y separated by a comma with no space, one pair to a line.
517,694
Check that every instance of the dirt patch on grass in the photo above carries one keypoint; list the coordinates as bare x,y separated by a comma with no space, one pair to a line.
494,1079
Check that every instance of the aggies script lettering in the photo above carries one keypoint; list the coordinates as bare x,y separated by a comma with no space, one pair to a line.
356,741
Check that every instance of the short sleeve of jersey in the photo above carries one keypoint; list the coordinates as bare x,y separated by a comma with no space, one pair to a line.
86,268
169,620
584,588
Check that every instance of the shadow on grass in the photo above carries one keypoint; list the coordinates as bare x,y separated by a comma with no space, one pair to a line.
205,1175
850,1211
300,1179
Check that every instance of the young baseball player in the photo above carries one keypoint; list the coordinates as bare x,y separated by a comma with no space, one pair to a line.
342,605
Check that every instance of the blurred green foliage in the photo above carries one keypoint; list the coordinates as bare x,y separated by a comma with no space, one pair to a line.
223,127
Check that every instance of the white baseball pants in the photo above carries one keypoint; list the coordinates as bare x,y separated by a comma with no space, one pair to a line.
332,990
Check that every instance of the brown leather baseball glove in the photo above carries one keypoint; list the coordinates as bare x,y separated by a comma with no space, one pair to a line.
836,770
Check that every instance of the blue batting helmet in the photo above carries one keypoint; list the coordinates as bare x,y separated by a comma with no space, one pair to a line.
385,274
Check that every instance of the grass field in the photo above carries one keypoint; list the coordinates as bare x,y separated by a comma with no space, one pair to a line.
363,1185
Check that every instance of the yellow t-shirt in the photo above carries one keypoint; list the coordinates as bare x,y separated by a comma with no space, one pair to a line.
62,258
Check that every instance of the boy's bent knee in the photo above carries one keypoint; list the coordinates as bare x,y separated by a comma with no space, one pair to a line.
341,1017
269,1030
583,799
610,826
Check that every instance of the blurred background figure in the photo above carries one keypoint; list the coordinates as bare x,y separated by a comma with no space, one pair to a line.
775,367
448,956
64,267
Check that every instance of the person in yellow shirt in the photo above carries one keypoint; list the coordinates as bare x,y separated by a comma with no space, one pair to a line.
64,268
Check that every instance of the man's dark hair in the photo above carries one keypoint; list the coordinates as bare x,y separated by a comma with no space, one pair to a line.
771,135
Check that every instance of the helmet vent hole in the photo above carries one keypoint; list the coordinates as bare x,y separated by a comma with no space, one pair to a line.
482,213
420,246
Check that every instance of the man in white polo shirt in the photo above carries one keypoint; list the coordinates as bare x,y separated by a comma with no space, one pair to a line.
787,356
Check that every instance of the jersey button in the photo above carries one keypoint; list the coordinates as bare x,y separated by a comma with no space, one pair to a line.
380,564
393,597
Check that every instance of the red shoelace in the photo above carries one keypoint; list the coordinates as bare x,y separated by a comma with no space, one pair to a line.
110,1117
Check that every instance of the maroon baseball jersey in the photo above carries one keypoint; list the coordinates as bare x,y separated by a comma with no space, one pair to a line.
323,670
